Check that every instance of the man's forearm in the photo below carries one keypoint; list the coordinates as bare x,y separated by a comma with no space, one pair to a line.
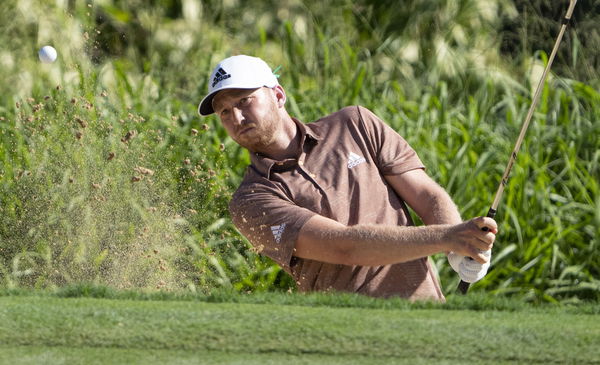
326,240
428,199
373,245
390,245
441,208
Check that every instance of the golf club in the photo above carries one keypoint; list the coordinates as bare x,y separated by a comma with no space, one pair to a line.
463,286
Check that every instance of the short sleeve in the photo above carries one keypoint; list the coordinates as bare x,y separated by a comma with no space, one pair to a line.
269,220
390,151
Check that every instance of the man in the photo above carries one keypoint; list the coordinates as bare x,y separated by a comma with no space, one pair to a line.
327,200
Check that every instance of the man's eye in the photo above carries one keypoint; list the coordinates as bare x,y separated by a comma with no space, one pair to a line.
244,101
224,112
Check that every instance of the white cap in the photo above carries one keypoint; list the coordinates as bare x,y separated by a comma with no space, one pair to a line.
237,72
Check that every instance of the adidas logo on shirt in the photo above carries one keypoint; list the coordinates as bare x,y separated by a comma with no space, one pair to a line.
278,231
220,75
355,160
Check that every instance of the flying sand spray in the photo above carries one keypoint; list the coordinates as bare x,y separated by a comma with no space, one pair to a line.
463,286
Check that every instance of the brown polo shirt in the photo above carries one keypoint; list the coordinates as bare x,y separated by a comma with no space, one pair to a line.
340,175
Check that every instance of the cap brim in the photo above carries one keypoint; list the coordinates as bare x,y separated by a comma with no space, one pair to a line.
205,107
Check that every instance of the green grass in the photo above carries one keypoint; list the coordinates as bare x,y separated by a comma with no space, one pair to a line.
94,355
46,327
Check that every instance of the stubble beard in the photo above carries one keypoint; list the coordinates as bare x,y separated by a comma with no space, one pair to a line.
264,134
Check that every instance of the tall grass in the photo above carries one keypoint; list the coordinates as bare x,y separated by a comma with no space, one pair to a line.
108,175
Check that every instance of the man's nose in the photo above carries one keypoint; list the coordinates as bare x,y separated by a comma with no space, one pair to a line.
237,116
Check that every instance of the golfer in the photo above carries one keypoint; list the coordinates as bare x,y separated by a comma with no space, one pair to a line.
328,200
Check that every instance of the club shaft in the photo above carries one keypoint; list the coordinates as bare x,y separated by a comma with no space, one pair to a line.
536,99
463,287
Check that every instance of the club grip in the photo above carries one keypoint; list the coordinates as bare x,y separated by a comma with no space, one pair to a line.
491,214
463,286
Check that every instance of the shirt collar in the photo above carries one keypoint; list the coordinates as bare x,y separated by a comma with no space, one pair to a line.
264,165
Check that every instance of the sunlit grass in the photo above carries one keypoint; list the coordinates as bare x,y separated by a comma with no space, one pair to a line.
86,323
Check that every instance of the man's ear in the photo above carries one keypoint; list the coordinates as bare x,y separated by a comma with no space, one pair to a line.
280,95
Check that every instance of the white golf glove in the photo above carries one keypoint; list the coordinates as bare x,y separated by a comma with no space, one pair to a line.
468,269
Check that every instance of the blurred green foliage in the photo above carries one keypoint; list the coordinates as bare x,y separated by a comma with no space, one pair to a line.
455,78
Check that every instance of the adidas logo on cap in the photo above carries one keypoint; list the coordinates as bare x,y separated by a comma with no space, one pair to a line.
220,75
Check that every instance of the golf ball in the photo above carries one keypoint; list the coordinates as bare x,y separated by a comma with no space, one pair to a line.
47,54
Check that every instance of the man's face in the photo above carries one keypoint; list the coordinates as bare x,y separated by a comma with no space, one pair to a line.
250,116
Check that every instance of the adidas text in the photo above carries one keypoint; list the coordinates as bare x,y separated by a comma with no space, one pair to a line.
220,75
278,232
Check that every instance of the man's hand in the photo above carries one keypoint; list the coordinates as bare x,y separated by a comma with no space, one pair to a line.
472,248
469,239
